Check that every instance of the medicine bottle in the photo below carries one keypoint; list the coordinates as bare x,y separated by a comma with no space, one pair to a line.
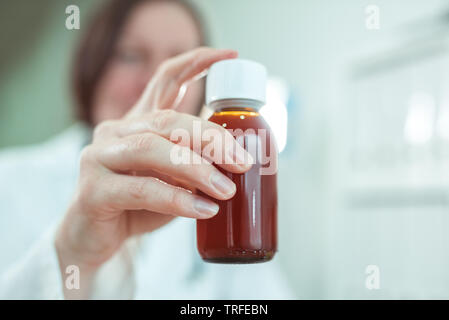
245,228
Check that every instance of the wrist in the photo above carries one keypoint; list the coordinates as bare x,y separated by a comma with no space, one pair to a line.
71,242
71,254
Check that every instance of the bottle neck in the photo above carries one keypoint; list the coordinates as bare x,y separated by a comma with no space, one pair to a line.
236,104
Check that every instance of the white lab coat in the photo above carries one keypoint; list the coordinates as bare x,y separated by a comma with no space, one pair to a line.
36,185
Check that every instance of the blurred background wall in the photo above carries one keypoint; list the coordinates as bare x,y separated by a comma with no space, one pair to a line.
363,178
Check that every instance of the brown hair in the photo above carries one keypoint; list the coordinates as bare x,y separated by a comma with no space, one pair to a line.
97,46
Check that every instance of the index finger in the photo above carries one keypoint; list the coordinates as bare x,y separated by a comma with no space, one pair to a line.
162,90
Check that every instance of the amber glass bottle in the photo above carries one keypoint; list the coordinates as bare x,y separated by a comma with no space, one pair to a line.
245,228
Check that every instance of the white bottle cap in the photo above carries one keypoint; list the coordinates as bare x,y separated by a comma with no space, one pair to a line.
236,79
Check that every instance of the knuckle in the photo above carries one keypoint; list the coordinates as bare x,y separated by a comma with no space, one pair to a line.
138,190
143,143
178,201
88,192
162,119
103,129
87,156
90,181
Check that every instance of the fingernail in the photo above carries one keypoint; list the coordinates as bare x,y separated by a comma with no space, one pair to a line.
205,208
222,184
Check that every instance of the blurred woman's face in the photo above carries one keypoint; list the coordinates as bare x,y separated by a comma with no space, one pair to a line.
153,33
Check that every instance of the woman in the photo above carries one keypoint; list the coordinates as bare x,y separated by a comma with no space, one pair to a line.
108,224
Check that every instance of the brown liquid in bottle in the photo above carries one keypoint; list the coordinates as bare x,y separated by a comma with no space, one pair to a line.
245,228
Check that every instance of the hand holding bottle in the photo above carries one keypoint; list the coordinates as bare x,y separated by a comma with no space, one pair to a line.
127,183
